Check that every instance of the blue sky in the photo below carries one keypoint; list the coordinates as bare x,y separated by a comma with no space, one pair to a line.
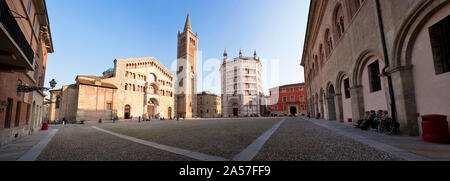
89,34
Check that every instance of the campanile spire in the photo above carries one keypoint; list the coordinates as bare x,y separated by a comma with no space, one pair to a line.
187,25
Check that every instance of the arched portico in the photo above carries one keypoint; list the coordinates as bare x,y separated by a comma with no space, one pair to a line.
414,68
331,103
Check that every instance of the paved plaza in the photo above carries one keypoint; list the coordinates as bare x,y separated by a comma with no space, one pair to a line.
239,139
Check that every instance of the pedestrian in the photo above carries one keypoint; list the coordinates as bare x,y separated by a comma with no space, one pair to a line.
139,119
100,120
309,115
56,121
360,122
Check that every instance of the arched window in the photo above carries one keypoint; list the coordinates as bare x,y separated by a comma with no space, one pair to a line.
126,86
353,6
313,69
316,70
339,23
152,78
321,53
328,43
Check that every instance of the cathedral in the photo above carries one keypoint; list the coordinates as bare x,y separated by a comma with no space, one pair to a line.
135,88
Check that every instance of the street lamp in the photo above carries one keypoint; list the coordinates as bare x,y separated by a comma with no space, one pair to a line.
52,83
24,88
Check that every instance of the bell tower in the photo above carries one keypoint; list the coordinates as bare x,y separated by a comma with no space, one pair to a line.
186,98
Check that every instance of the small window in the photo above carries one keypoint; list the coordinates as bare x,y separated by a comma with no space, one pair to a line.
18,113
292,89
374,78
276,108
347,87
29,7
109,106
57,102
36,26
285,108
181,83
284,99
440,45
292,99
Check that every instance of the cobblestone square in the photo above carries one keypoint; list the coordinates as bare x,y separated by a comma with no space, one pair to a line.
251,139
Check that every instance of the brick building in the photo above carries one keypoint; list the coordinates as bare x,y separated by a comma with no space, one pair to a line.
186,88
288,99
25,42
209,105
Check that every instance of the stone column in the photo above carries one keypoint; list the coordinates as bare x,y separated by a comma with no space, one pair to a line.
316,108
339,108
321,109
403,85
357,101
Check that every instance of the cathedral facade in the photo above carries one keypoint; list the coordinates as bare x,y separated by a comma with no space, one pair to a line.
135,87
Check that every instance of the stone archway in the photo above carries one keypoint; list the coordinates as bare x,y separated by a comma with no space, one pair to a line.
321,104
152,108
416,56
127,112
331,103
293,110
169,112
235,108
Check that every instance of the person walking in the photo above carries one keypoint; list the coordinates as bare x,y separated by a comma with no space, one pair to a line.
139,119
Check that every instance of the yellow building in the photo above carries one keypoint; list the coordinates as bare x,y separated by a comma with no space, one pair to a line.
208,105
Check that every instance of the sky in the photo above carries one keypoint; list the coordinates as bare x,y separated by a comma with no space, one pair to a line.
89,34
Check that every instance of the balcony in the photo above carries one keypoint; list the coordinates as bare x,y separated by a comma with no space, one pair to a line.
15,51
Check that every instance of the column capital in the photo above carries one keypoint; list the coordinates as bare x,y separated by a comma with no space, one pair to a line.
399,69
355,87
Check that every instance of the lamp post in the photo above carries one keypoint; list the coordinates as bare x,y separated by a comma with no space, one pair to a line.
24,88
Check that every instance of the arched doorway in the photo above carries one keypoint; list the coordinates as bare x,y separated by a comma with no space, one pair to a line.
152,108
235,109
293,110
127,112
169,112
331,105
343,105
